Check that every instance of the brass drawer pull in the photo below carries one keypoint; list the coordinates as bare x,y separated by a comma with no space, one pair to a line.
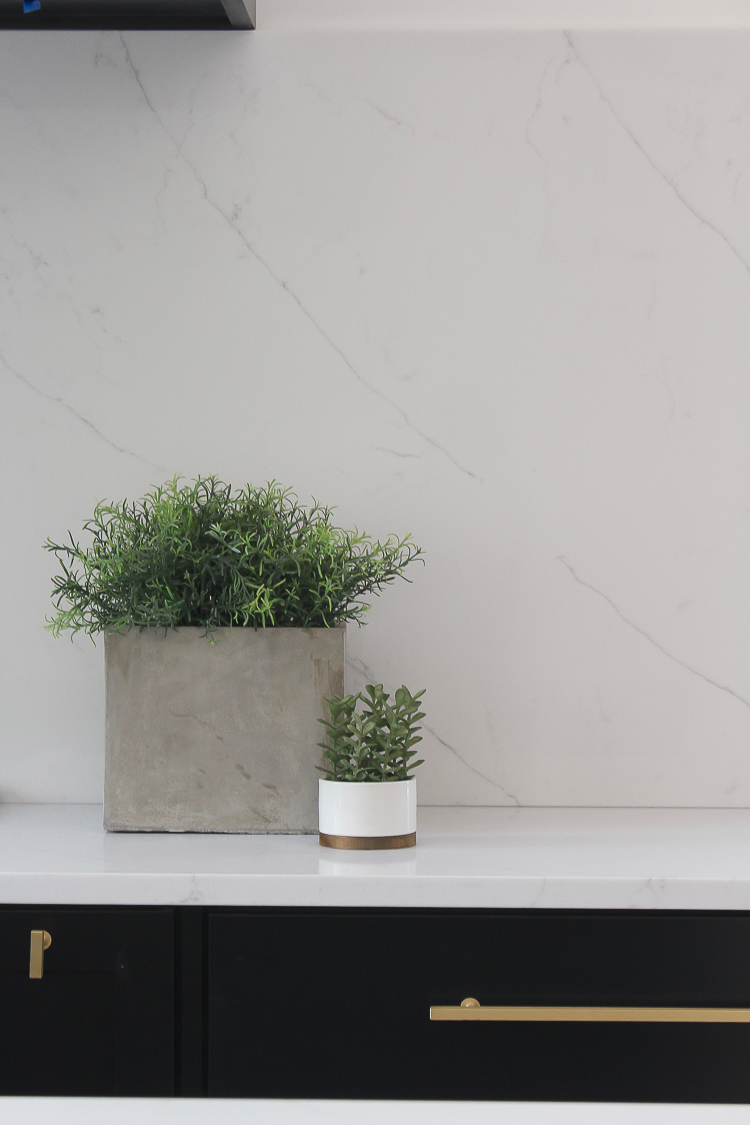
40,940
471,1009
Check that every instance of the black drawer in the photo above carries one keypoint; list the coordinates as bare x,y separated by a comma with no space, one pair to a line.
100,1021
336,1004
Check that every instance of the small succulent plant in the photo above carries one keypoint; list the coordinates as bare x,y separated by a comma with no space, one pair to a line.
374,744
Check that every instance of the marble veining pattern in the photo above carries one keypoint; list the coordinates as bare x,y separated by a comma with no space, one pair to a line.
489,287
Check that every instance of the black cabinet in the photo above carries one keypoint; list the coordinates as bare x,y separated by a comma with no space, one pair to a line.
121,15
101,1018
336,1003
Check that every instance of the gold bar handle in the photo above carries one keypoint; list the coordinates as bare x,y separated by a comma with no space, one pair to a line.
471,1009
40,940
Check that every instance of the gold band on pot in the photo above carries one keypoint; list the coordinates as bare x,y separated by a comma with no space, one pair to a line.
367,843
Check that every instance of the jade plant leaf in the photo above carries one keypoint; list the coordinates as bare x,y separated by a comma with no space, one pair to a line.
374,744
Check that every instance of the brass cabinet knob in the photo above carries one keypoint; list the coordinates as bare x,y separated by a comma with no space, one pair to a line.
40,940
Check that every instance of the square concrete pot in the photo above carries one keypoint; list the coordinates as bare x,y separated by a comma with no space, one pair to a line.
217,738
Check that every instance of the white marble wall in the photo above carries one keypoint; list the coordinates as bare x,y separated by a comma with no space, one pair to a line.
492,288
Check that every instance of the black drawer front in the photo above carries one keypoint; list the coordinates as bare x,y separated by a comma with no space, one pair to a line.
336,1003
100,1021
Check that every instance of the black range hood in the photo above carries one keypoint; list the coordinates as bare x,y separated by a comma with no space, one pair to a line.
122,15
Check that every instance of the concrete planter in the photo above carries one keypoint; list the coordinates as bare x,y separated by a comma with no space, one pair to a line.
217,738
367,814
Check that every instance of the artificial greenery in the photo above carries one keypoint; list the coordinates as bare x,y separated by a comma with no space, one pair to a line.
376,743
203,554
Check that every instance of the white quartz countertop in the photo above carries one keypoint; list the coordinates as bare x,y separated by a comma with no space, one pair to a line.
479,857
124,1111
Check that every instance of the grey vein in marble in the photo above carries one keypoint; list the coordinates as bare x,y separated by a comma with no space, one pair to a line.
362,669
60,401
650,639
484,777
389,117
231,221
532,117
394,452
667,179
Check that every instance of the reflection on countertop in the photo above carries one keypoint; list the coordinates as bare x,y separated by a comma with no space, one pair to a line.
465,857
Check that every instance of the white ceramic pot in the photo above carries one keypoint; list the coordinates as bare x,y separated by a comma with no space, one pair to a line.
367,814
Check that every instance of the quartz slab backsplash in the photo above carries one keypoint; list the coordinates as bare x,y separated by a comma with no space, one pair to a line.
490,287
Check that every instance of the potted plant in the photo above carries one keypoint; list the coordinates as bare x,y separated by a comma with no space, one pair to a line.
368,798
224,615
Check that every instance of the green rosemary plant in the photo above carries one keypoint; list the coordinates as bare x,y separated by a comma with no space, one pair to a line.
376,743
203,554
